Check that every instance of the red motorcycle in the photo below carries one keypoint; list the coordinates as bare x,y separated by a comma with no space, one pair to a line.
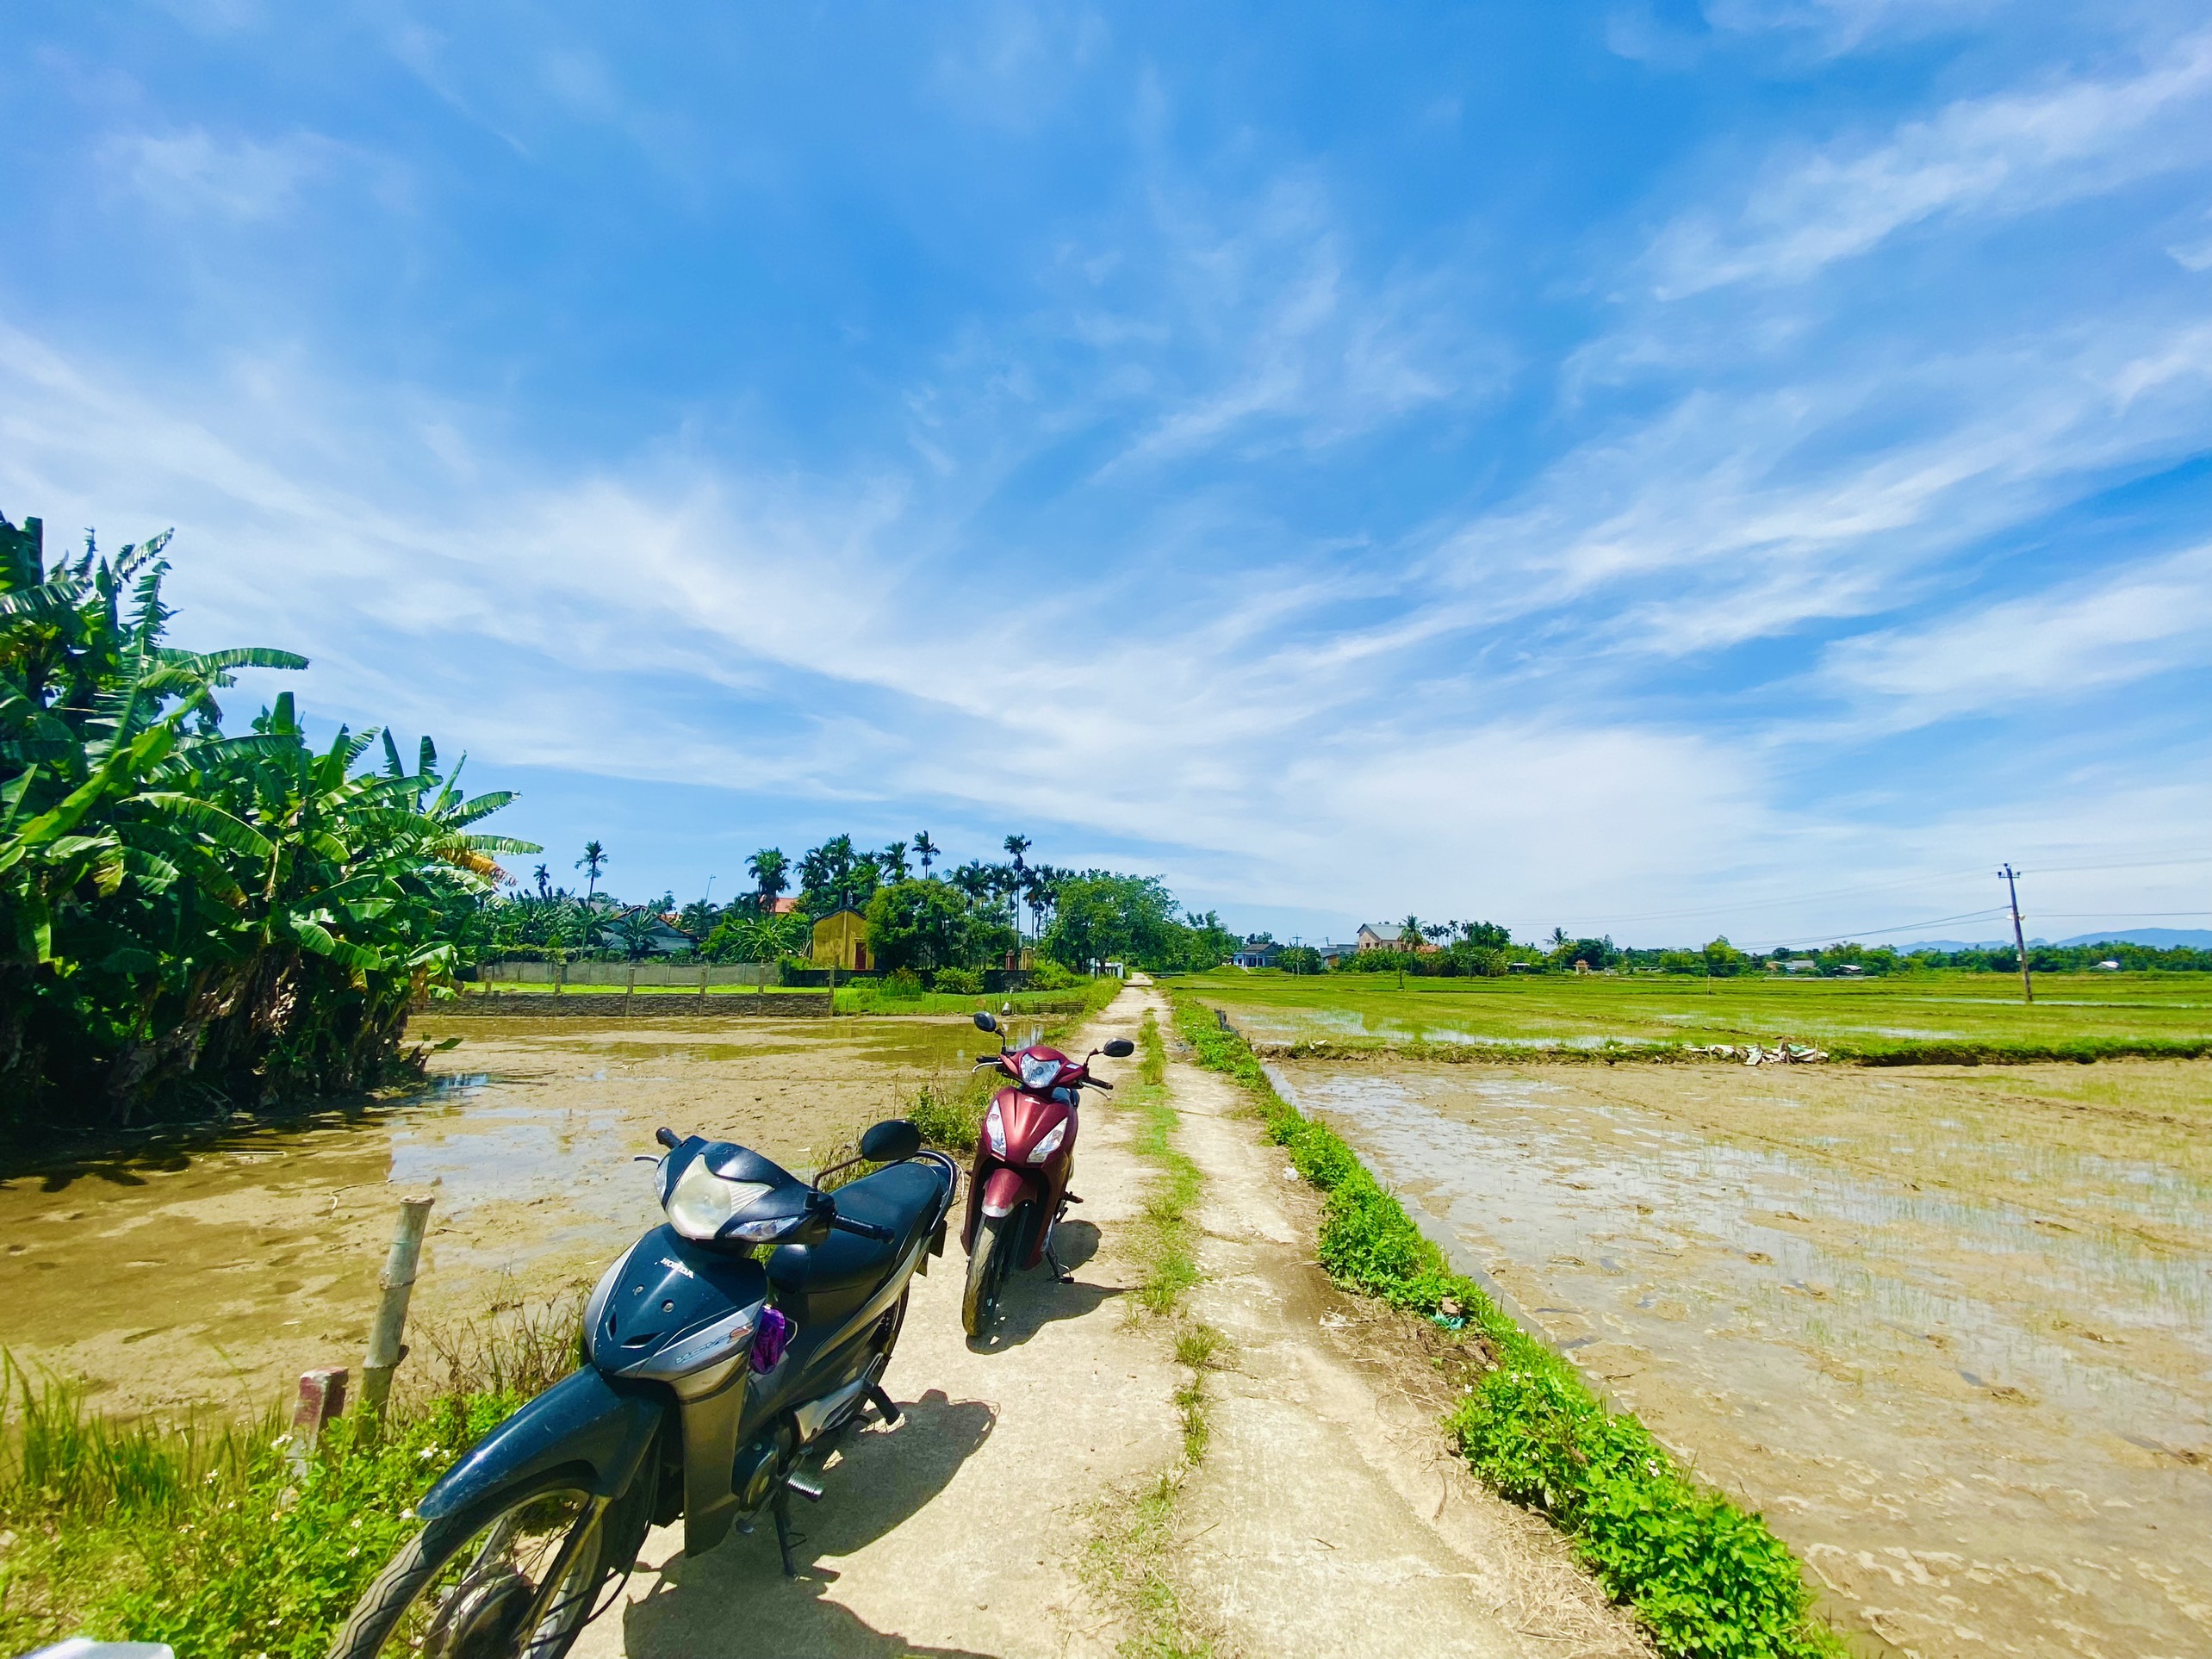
1017,1192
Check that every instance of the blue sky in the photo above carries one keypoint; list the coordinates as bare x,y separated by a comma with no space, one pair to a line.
1647,468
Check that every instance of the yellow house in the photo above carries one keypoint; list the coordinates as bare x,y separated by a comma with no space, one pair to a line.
841,940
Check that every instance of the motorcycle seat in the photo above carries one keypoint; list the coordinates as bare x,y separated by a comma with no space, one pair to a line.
903,1197
822,1283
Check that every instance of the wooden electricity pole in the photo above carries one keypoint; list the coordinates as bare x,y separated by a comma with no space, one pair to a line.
2019,939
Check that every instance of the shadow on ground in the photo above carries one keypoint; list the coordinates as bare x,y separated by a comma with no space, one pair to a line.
735,1603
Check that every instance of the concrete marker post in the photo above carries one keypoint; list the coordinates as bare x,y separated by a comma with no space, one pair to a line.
322,1399
385,1348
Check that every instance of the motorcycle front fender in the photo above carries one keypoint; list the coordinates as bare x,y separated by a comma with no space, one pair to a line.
1005,1188
583,1423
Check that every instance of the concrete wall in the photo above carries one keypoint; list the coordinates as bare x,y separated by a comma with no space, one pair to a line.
617,973
614,1005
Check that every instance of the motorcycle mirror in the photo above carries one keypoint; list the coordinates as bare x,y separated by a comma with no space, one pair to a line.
1120,1048
984,1022
892,1141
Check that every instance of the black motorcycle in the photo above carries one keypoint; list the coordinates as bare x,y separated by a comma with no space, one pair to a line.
722,1347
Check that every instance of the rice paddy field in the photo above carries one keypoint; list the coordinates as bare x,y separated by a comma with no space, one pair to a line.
1587,1010
1949,1327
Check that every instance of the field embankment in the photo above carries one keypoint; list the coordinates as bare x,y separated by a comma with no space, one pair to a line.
1704,1576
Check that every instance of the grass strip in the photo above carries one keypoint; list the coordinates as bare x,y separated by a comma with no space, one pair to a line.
2084,1051
202,1537
1708,1579
1131,1560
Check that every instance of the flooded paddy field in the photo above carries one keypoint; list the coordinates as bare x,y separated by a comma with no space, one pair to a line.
1950,1329
212,1273
1571,1010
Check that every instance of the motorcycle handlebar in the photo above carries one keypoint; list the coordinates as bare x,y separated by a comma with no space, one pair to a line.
668,1138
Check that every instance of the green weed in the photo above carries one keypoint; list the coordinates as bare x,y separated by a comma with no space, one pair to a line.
202,1535
1705,1577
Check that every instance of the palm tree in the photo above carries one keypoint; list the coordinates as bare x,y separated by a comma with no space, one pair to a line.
1015,846
1409,931
591,863
925,849
637,929
545,878
892,862
771,873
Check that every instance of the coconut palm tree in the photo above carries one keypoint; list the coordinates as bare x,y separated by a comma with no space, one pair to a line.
925,849
892,862
771,873
593,862
544,878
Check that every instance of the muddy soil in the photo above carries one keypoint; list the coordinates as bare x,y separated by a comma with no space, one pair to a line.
213,1274
1950,1329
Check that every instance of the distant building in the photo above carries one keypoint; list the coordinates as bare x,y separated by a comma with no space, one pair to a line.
783,906
666,939
841,940
1257,953
1383,937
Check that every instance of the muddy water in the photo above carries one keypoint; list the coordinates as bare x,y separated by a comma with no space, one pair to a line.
215,1273
1950,1331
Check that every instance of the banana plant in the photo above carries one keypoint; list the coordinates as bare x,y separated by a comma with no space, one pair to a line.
190,916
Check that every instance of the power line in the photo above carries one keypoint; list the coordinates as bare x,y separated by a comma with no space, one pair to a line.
1876,933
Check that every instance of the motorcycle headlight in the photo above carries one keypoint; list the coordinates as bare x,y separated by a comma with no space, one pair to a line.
701,1202
994,1129
1038,1073
1050,1144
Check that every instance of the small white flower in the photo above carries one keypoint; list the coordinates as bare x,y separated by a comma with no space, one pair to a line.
426,1454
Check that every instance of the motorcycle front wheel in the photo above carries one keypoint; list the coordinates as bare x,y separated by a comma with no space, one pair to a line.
512,1577
989,1258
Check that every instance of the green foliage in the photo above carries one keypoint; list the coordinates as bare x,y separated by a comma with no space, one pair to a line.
188,918
1101,916
920,924
958,982
1708,1579
202,1537
756,936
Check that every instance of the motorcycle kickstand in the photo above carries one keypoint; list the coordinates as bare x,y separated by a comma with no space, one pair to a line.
780,1508
882,1402
1060,1275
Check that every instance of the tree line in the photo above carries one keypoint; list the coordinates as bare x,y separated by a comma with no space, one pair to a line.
973,915
191,920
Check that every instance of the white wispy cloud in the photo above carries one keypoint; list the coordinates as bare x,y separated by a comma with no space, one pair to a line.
2006,154
194,171
2074,638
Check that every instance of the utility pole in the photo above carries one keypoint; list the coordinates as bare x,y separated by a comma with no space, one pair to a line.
2019,939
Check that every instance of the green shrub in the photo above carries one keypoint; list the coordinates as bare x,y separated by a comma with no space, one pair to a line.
958,982
902,983
1708,1579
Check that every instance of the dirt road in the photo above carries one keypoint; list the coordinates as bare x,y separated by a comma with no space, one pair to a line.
1324,1521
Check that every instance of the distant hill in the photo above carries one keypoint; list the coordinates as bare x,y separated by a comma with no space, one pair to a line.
2155,938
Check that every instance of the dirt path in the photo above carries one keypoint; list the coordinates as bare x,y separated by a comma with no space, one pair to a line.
962,1530
1324,1521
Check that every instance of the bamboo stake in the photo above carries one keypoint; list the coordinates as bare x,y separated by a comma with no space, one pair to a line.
386,1351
